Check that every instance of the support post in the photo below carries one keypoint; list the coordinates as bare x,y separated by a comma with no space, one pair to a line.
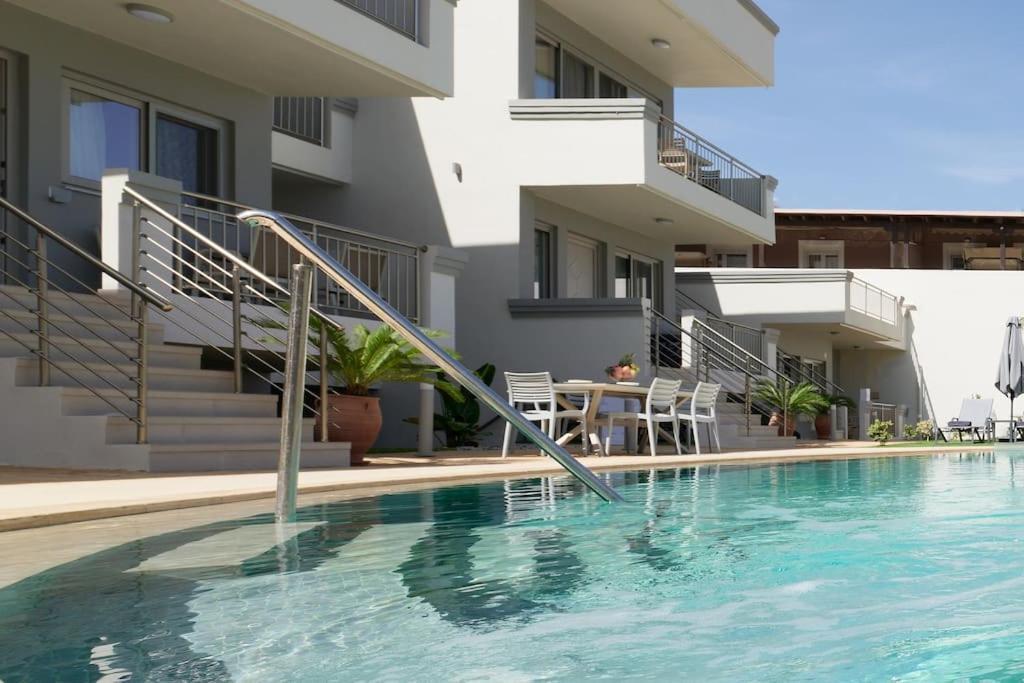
139,311
325,384
42,309
863,413
236,326
425,435
294,388
748,398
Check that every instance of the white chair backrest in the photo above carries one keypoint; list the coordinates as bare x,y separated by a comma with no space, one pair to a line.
530,387
975,410
663,393
705,396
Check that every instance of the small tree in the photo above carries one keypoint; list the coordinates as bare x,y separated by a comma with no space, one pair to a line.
880,431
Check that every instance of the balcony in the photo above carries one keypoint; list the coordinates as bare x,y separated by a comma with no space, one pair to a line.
710,44
621,161
850,311
353,48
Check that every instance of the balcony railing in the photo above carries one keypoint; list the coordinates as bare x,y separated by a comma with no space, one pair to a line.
400,15
389,267
684,152
874,302
301,117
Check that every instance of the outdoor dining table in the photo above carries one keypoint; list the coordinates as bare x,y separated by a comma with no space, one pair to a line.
595,392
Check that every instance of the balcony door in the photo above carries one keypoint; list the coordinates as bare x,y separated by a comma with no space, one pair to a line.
188,152
581,268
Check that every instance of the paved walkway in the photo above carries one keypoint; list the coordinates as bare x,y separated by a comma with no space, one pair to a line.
33,497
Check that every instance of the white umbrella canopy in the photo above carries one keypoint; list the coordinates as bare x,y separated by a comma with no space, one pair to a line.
1010,377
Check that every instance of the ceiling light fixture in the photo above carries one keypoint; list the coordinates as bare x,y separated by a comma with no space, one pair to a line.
661,43
663,221
148,13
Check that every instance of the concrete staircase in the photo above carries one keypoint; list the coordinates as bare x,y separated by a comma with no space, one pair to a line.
196,421
732,417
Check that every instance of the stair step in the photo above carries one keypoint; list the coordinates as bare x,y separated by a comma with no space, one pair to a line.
200,429
108,304
234,457
119,328
121,376
80,401
89,350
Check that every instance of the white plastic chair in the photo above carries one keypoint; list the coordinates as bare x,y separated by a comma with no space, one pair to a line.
533,393
702,411
659,407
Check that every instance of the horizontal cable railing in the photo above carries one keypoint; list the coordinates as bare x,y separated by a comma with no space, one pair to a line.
402,16
301,117
684,152
873,301
94,341
751,339
885,412
389,267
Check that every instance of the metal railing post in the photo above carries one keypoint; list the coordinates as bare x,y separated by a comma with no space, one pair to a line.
42,310
748,399
138,309
325,378
294,386
236,327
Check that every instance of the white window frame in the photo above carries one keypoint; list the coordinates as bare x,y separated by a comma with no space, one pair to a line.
951,249
806,248
150,109
657,272
716,254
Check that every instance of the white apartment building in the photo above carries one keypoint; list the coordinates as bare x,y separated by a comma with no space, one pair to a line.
205,107
559,170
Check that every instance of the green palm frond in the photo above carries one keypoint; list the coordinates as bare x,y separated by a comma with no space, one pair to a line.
799,399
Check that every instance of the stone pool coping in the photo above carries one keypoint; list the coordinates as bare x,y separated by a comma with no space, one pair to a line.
37,498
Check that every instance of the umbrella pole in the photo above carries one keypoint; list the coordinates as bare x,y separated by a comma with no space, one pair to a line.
1013,424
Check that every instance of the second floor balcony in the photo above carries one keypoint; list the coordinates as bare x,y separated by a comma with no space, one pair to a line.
622,161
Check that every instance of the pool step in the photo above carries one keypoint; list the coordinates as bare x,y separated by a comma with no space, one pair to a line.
202,429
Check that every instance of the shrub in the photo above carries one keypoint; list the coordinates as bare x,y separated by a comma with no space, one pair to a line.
880,431
921,431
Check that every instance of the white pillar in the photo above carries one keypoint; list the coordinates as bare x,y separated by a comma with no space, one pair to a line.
771,348
901,420
439,267
864,412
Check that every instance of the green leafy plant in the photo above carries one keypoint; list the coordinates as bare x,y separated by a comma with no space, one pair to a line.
459,420
880,431
628,360
920,431
799,399
363,358
837,400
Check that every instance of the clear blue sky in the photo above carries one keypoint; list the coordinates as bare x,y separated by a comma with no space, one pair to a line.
904,104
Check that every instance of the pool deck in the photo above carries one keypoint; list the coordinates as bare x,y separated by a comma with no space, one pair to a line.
45,497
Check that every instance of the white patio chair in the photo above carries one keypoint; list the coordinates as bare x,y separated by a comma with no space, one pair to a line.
660,407
533,393
701,410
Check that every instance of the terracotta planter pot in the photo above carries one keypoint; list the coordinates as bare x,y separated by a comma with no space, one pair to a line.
776,421
823,426
355,419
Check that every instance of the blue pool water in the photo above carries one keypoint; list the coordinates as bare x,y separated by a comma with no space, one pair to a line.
901,569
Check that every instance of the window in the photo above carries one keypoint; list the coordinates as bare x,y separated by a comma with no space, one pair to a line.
187,152
103,133
106,129
821,253
638,277
545,77
542,262
577,77
611,88
582,268
953,255
731,257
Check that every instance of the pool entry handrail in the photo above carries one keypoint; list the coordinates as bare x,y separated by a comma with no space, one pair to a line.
341,276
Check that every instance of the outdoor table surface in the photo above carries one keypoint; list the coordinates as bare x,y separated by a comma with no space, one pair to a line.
597,391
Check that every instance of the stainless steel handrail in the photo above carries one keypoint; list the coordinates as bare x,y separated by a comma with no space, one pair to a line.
414,336
149,296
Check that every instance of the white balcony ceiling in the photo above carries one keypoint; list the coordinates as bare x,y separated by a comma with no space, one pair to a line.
713,42
234,41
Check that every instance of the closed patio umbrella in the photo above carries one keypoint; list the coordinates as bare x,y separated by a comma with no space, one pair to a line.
1010,380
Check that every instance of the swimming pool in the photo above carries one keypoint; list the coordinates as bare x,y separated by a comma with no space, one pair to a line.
903,568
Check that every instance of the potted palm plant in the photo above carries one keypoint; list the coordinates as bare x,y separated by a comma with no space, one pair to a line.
789,400
360,361
823,421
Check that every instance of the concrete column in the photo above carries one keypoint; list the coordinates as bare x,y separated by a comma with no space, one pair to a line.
899,422
771,348
687,352
116,221
439,267
864,412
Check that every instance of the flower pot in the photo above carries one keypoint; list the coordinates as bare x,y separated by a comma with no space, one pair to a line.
623,373
823,426
784,430
355,419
